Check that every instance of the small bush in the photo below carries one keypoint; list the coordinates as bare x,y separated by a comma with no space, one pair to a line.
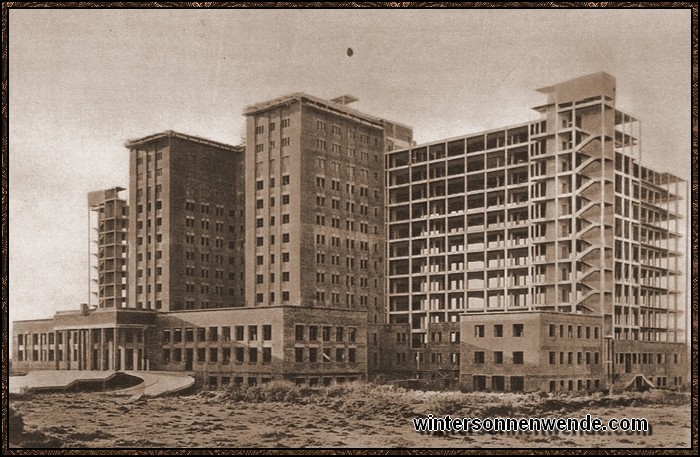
15,425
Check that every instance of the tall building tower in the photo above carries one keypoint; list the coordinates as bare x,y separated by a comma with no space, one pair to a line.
186,226
108,217
315,208
555,216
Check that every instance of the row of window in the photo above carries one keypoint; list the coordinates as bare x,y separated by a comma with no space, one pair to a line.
517,357
213,334
435,358
337,149
312,381
568,358
158,156
646,358
518,330
260,297
312,355
349,299
204,208
260,129
251,355
336,130
149,174
349,187
568,385
334,279
581,331
304,333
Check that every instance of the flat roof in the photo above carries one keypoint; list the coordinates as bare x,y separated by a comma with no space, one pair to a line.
330,104
181,136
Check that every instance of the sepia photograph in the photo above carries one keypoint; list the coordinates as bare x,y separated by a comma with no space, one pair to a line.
355,228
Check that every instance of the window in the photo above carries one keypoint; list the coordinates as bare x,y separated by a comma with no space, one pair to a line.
498,357
239,355
479,357
298,355
326,355
479,331
252,333
552,330
252,355
213,354
299,332
498,330
517,330
285,180
285,218
340,355
518,358
326,333
285,294
339,334
267,332
313,355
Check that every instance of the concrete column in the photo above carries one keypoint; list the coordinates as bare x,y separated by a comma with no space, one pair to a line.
135,351
57,363
68,349
115,348
122,355
81,349
92,363
101,350
143,346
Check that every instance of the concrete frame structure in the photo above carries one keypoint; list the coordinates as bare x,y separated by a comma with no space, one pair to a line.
550,215
108,216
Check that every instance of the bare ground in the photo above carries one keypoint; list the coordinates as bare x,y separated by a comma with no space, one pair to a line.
365,418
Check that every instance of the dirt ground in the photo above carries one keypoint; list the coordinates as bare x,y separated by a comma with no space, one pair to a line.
94,420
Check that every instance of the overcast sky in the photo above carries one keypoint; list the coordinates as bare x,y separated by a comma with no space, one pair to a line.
84,81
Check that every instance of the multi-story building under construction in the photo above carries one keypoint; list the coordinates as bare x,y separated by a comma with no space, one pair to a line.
555,217
540,256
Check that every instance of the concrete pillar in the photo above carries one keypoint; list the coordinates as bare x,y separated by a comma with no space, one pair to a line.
81,348
122,355
57,364
135,351
68,350
101,350
144,361
115,348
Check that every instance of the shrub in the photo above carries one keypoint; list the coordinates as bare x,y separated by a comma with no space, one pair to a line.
15,425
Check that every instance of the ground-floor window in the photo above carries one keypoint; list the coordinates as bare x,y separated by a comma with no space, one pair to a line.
517,383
